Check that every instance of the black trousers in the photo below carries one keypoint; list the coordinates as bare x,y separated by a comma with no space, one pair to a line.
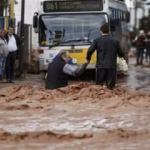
148,54
10,64
140,55
106,76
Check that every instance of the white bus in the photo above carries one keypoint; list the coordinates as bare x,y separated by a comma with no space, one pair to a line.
73,24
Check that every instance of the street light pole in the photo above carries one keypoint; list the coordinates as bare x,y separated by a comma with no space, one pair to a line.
135,14
21,50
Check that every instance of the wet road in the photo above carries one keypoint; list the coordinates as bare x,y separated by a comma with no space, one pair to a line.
138,77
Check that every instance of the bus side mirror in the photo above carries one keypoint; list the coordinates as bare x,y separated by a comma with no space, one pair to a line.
128,17
35,20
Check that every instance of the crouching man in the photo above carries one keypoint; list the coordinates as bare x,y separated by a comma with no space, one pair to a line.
59,70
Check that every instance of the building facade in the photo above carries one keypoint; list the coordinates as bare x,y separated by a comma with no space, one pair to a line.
7,16
147,6
31,6
138,9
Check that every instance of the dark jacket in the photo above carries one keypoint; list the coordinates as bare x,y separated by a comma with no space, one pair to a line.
148,43
107,50
140,42
56,78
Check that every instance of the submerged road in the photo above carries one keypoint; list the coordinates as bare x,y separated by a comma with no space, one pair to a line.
82,116
138,77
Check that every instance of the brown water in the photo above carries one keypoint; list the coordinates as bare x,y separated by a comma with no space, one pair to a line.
78,117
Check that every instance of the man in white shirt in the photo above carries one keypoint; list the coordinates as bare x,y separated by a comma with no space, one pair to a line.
10,60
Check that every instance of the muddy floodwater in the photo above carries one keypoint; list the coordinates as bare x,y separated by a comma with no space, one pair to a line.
82,116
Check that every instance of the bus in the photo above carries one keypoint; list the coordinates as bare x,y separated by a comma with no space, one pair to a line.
72,25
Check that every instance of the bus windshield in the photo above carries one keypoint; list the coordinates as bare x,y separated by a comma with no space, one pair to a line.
70,28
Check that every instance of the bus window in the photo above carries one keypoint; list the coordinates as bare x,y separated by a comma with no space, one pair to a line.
72,26
127,17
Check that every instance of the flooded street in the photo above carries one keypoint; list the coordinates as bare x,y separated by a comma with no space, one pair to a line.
46,43
82,116
138,77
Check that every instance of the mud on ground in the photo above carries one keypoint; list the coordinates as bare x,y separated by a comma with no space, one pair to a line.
80,116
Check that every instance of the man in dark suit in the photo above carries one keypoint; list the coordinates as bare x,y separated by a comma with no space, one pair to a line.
107,51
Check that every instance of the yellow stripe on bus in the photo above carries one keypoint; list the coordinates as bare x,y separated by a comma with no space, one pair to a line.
80,56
